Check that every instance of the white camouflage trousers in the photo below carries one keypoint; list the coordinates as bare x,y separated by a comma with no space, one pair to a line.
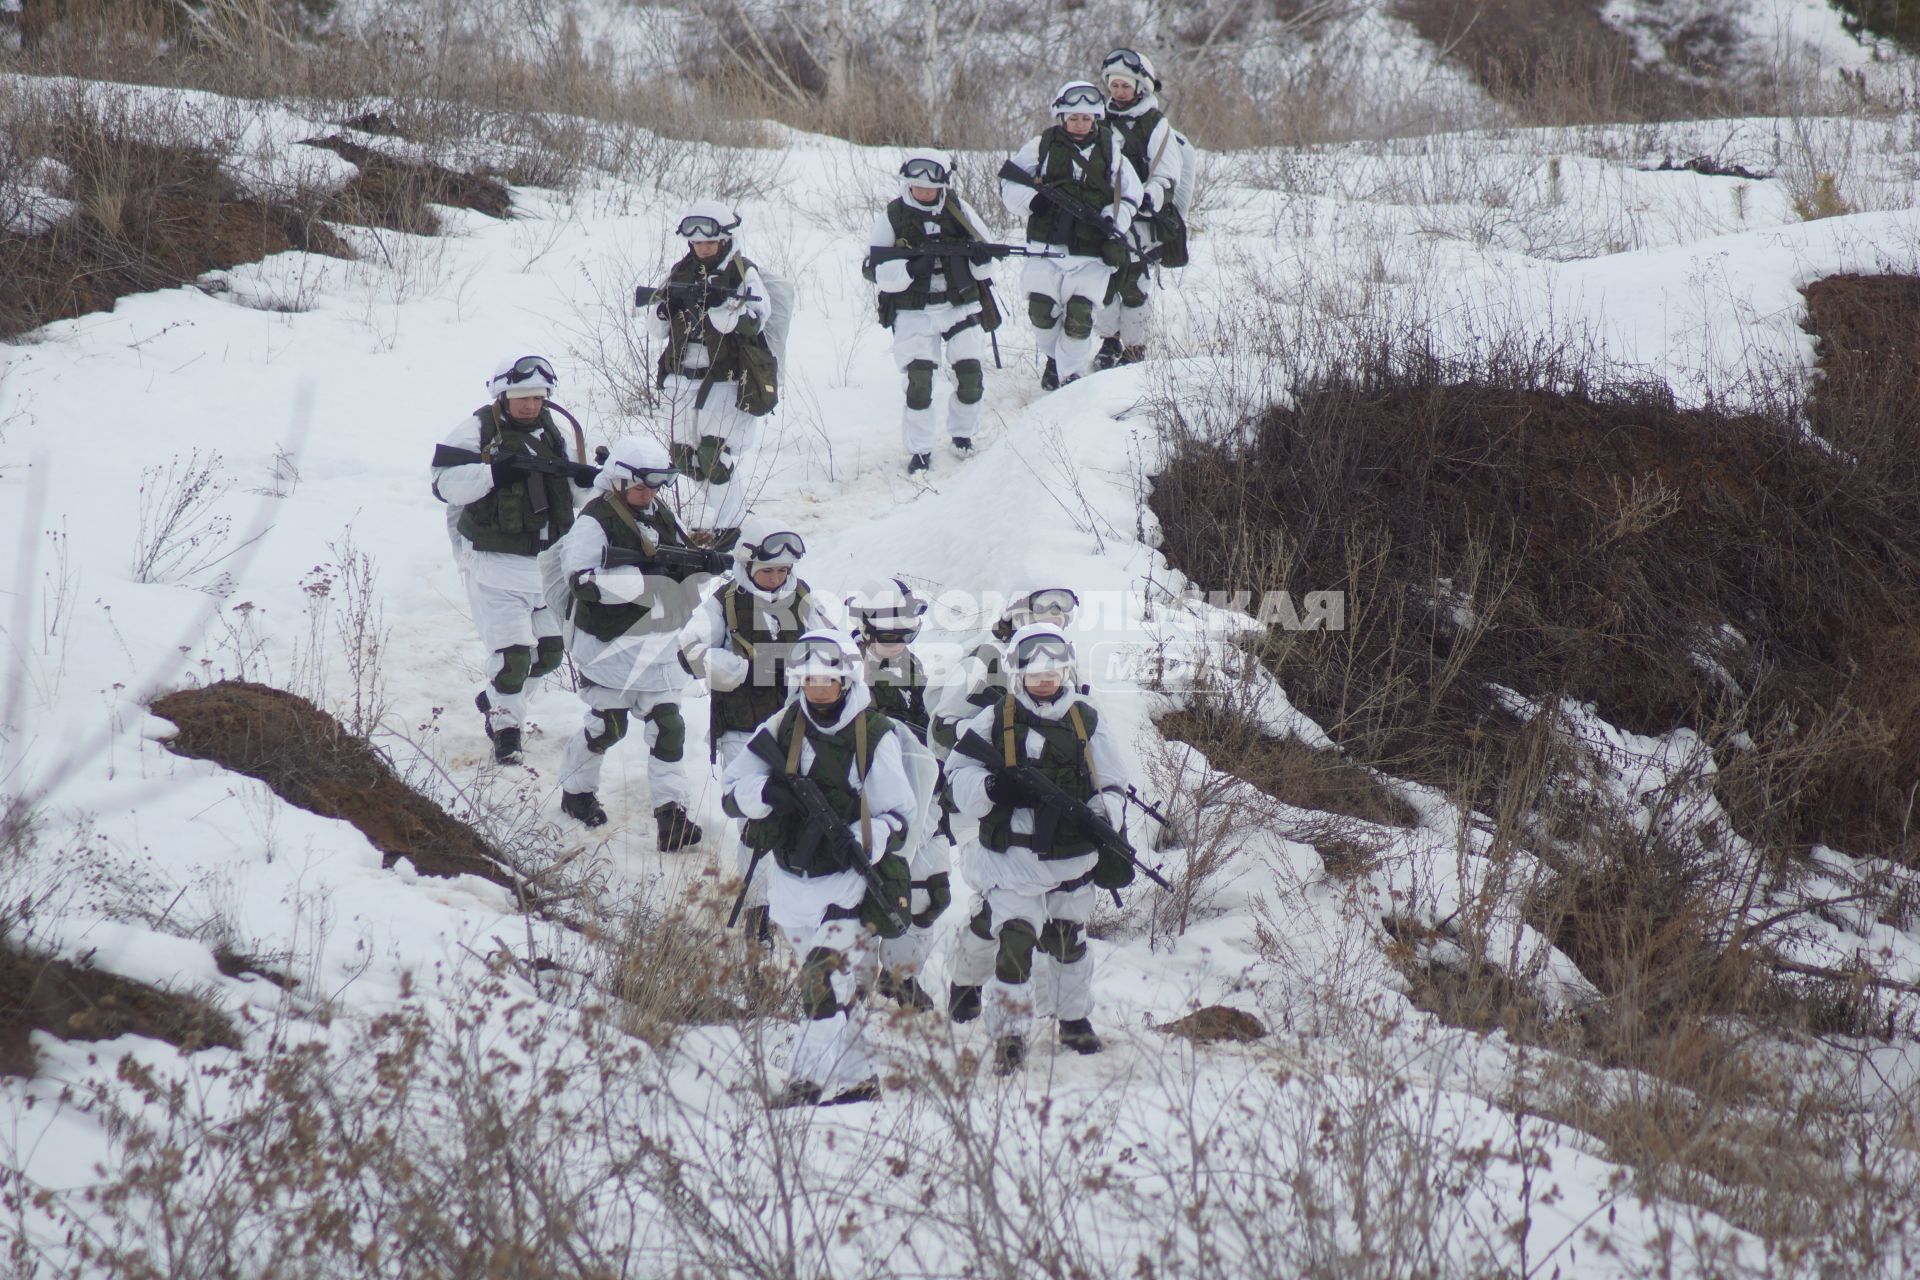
1009,1008
718,505
1076,286
920,335
580,765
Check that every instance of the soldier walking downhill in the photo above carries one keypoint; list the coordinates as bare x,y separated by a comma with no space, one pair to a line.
825,789
938,306
503,513
712,310
1150,144
633,582
1095,193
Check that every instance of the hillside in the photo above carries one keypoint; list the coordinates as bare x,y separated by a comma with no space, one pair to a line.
1568,880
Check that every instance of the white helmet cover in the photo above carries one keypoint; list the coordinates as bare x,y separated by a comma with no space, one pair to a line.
518,376
1080,97
927,167
1136,67
824,653
1040,648
888,607
707,220
635,458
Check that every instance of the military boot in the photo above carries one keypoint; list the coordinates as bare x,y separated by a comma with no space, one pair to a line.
904,992
1009,1055
1133,355
677,830
867,1090
919,462
798,1093
963,1003
1050,376
506,745
585,806
1109,354
963,445
1078,1035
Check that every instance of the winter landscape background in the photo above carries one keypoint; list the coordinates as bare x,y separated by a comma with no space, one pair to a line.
1570,883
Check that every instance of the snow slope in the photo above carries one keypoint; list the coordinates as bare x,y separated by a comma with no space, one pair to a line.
323,416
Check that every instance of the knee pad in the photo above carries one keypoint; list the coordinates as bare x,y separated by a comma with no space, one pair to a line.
982,924
1064,940
613,727
1040,310
920,384
516,660
1079,322
716,460
669,732
1133,289
546,658
971,380
816,983
1014,964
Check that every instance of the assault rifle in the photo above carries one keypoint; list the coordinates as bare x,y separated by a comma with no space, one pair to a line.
1074,210
820,825
581,473
956,249
1053,806
689,293
675,562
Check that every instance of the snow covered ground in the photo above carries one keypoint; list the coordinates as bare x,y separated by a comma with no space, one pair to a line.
1360,1134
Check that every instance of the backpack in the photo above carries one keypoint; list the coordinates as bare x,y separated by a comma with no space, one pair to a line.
1170,223
760,355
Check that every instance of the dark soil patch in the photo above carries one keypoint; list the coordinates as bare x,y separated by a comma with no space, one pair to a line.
147,217
75,1002
1894,19
311,761
1288,769
1672,567
1555,60
400,194
236,964
1214,1024
1867,399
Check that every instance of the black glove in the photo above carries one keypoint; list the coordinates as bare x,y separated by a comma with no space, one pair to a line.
505,472
921,268
939,897
980,256
1003,788
719,561
777,793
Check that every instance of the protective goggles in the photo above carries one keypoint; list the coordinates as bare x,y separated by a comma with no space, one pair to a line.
531,366
1082,97
699,226
1127,60
818,657
1042,653
928,173
890,630
777,546
1059,600
651,477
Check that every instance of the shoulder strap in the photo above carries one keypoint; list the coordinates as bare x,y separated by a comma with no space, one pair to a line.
489,429
1006,731
1086,748
730,608
799,736
860,773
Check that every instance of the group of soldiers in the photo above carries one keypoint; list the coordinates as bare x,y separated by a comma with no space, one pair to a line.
1101,192
845,769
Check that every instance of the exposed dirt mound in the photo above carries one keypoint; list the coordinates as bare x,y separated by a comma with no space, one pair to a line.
1867,401
400,194
74,1002
1215,1023
146,217
311,761
1287,769
1673,568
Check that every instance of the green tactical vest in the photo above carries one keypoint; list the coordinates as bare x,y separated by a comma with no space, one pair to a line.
1063,759
507,518
741,710
1089,181
687,324
910,228
1135,132
901,694
833,760
609,620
